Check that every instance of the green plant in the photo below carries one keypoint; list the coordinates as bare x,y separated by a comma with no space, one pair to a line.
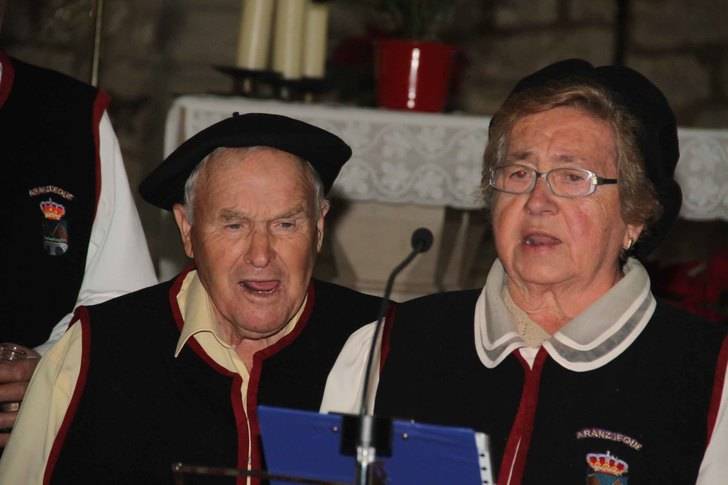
417,19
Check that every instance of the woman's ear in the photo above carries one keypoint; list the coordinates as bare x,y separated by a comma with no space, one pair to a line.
631,235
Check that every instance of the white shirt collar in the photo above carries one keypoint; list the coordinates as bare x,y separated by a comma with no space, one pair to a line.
592,339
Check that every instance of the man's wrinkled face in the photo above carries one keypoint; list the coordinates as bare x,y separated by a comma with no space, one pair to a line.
254,238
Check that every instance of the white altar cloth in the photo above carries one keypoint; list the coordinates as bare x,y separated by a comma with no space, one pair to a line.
436,159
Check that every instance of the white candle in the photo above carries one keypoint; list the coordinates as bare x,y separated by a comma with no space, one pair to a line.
254,35
288,37
314,40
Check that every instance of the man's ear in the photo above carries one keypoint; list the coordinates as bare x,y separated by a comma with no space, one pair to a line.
184,227
320,224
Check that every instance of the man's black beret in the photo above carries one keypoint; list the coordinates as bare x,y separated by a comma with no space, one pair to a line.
656,136
325,151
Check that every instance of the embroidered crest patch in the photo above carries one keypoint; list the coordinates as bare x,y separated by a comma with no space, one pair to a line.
606,469
55,228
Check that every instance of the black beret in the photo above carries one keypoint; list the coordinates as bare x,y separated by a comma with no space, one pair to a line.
656,136
325,151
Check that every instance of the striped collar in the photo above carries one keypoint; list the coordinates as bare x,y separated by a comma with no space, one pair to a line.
592,339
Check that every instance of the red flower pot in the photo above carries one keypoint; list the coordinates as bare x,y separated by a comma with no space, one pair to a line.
413,75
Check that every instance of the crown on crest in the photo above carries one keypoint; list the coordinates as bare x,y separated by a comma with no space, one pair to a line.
606,463
52,210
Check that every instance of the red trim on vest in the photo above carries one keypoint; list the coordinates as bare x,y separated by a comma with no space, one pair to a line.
514,455
718,383
246,419
236,400
258,358
8,77
81,314
241,424
386,334
100,104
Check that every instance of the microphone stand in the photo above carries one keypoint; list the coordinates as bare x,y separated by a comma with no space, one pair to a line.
365,445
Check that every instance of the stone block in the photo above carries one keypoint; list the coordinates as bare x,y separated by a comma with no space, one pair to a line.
208,36
592,10
674,23
682,79
126,77
482,96
518,13
712,116
119,17
348,20
59,59
198,77
508,58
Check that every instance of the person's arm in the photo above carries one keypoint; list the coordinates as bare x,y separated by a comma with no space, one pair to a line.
118,259
49,393
714,468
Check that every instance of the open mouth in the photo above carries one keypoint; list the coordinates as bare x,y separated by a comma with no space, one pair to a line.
540,239
260,287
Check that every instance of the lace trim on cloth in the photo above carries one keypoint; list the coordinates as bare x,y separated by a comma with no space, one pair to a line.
436,159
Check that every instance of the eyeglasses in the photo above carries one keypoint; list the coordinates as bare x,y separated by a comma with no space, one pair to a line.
563,182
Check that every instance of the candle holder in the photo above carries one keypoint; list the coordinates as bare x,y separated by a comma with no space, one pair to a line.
287,89
304,89
251,83
312,88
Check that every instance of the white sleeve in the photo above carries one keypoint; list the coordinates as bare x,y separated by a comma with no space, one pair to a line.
117,260
714,468
344,384
44,407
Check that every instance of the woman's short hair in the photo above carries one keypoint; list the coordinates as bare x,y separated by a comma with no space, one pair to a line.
638,198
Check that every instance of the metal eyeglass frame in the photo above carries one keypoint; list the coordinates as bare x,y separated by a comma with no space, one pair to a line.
595,180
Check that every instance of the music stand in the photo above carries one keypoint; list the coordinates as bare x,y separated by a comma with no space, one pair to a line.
309,445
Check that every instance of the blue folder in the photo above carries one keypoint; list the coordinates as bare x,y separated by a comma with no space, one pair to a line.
308,445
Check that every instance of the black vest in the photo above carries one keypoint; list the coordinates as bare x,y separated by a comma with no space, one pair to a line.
648,407
49,126
141,409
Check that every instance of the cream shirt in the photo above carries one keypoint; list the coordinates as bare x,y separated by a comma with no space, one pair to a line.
51,388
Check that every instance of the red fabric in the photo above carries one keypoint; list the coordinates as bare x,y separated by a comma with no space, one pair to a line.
258,359
386,334
236,400
514,455
700,287
81,314
8,77
718,383
241,421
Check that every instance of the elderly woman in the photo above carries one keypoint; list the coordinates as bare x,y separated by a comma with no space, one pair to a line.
565,358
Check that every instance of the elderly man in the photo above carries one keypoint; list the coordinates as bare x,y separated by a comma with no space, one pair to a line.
567,361
174,373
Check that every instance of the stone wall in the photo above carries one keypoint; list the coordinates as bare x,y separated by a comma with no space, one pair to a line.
154,51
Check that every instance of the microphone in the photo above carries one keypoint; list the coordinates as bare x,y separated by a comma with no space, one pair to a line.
365,450
422,240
